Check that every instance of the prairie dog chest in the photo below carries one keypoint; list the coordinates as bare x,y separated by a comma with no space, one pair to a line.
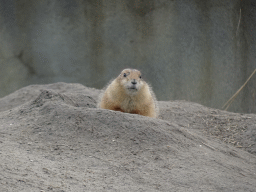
128,104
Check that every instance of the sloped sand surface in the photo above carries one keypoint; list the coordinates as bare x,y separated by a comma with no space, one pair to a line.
53,138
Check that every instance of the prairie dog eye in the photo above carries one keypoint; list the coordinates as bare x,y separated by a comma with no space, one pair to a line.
140,76
125,75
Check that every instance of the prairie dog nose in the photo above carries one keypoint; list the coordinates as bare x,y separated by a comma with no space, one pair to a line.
134,82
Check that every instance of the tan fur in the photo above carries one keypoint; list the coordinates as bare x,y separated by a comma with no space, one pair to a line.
129,94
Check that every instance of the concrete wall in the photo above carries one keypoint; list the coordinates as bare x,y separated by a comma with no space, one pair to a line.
195,50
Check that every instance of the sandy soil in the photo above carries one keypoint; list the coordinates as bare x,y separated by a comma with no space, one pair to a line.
53,138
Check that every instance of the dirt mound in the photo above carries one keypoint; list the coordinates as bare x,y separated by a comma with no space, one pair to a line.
53,138
233,128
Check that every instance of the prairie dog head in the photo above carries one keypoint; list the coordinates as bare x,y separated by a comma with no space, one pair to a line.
131,80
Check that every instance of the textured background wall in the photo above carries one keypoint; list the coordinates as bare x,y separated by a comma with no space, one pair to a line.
194,50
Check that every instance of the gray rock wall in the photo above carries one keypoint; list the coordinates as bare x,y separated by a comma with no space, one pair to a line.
195,50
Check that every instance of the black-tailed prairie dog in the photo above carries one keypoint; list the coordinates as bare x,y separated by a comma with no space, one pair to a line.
129,93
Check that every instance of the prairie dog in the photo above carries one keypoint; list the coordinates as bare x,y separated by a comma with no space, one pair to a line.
131,94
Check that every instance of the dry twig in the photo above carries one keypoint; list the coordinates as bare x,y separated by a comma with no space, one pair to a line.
228,103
